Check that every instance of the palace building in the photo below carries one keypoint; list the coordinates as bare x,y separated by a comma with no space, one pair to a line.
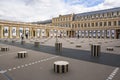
96,24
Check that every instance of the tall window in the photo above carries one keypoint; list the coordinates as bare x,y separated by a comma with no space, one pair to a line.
115,23
118,23
72,25
105,23
96,23
100,23
69,25
109,23
85,25
81,25
117,13
78,25
75,25
92,24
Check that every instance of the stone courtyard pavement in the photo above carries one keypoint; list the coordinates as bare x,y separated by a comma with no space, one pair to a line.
39,63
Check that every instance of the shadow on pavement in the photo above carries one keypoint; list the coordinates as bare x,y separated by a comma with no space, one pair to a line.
104,58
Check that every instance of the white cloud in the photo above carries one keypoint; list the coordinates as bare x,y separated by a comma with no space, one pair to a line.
37,10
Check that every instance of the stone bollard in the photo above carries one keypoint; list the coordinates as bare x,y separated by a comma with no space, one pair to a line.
95,49
22,42
58,46
22,54
61,66
36,44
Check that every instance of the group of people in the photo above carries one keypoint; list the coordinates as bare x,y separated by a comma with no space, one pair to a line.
22,36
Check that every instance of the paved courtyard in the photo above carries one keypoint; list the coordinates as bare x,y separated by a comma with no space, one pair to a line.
39,63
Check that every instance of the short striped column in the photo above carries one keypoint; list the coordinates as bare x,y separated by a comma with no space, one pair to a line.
5,48
95,50
22,54
61,66
110,49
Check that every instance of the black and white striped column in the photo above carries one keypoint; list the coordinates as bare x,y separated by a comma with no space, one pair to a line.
58,46
22,54
61,66
5,48
95,49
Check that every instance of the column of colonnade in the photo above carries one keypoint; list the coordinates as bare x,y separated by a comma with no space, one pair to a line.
10,31
115,35
105,34
88,34
110,34
17,32
100,34
1,31
23,30
97,34
47,33
30,32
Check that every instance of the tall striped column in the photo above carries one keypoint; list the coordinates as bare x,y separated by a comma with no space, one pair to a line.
95,50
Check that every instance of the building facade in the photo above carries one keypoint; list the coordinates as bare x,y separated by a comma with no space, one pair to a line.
96,24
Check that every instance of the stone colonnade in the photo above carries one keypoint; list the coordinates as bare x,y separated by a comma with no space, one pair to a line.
39,31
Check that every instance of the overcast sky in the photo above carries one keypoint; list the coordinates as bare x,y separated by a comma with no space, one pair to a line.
39,10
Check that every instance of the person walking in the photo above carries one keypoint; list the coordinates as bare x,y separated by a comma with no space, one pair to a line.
78,36
26,35
22,37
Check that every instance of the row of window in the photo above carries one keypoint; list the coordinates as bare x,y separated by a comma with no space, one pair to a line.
96,33
62,19
97,16
63,24
109,23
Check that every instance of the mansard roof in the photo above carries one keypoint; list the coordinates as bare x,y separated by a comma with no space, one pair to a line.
96,12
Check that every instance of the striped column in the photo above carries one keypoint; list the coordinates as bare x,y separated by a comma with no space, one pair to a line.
58,46
95,49
61,66
22,54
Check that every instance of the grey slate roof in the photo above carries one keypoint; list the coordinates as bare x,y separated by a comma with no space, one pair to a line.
43,22
97,12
